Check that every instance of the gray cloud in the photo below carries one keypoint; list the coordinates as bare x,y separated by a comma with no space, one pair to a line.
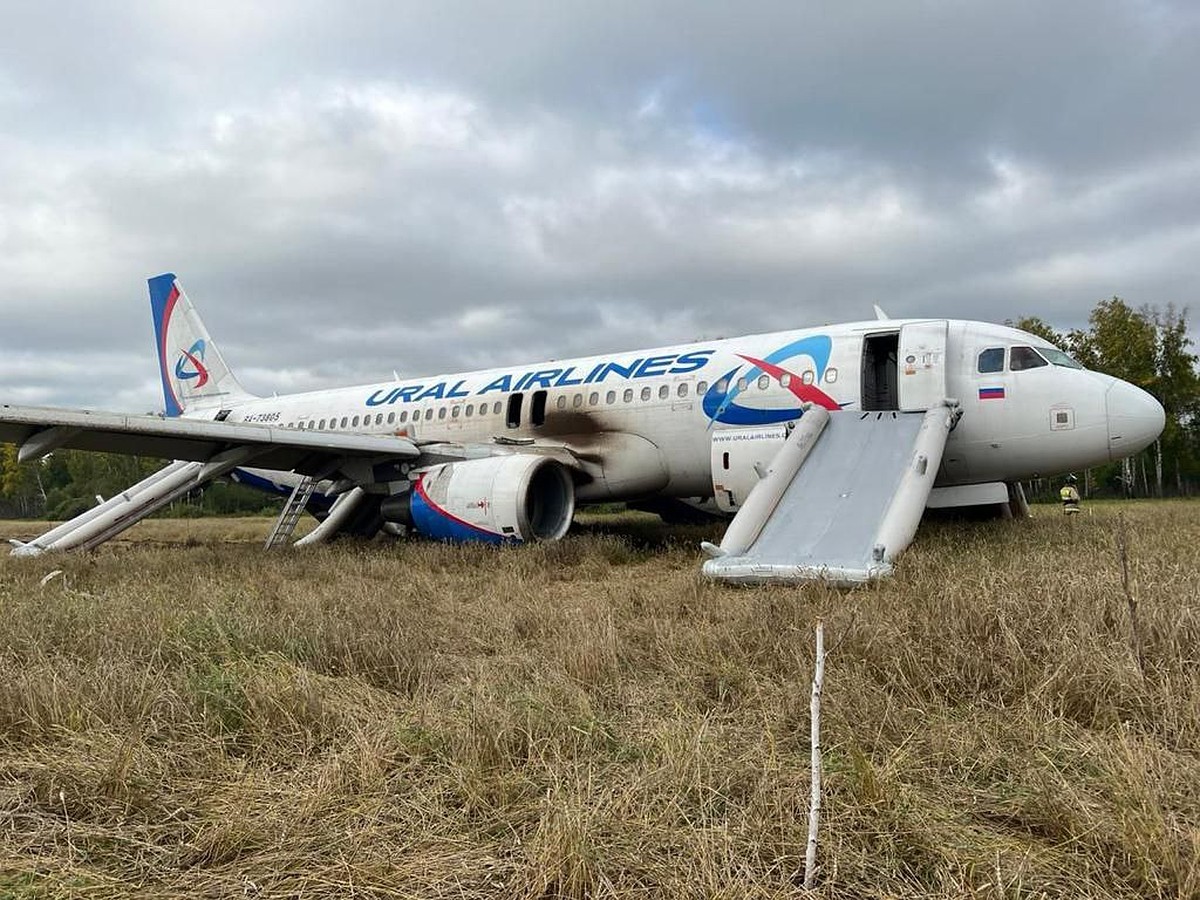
431,187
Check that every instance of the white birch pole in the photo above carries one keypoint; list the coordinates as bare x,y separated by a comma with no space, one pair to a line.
814,805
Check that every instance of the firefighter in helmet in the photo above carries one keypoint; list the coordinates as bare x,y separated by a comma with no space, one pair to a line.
1070,496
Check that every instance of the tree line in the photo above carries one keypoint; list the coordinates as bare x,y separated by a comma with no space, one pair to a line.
68,482
1148,347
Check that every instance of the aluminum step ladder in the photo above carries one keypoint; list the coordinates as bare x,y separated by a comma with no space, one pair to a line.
292,510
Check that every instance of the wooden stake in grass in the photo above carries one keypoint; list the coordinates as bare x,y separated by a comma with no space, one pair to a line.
814,804
1130,599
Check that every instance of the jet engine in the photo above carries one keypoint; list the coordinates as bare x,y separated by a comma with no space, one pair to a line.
498,499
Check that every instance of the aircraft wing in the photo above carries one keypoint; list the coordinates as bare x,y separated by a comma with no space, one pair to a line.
40,430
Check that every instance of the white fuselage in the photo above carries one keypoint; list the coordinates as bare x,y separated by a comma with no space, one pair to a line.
646,417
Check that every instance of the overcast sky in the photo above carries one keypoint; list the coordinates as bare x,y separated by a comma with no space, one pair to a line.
347,189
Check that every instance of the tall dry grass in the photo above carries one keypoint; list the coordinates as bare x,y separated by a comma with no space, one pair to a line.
591,719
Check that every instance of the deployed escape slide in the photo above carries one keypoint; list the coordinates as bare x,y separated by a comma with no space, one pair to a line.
114,515
840,500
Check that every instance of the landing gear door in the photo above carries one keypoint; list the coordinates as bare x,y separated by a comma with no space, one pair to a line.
921,365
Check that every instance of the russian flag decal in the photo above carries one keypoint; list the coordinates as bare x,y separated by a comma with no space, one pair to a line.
993,393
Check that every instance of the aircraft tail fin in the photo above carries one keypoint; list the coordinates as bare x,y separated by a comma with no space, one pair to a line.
194,373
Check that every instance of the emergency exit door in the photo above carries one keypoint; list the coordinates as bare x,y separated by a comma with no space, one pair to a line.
921,365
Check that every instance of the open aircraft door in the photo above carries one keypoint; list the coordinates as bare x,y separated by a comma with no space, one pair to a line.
921,365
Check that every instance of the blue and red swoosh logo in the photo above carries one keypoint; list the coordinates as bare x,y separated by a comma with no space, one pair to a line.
720,402
193,357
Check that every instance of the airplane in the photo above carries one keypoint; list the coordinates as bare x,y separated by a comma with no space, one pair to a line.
956,413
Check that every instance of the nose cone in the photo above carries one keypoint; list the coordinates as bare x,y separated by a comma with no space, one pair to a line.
1135,419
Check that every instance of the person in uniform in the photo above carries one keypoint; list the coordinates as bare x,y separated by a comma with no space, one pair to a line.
1070,496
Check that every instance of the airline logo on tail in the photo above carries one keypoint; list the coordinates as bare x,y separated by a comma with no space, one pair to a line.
189,361
181,352
193,356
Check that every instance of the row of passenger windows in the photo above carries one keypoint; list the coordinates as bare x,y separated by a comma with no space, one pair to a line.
1022,358
576,401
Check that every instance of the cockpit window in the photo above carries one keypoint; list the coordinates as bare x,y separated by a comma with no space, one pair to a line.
1058,358
1021,358
992,360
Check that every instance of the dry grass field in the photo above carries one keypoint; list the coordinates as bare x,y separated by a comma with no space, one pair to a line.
182,715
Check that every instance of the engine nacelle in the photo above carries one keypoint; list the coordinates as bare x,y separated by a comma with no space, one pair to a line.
501,498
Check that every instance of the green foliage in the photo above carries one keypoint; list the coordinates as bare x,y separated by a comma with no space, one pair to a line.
1038,327
21,494
67,482
1121,341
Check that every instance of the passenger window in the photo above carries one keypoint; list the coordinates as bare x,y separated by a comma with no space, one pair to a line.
764,382
646,393
742,384
593,398
577,401
1021,358
561,402
722,386
455,412
701,387
785,379
496,408
429,414
628,395
355,422
664,392
344,421
442,413
379,419
830,375
321,427
809,376
610,397
991,360
682,392
404,416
